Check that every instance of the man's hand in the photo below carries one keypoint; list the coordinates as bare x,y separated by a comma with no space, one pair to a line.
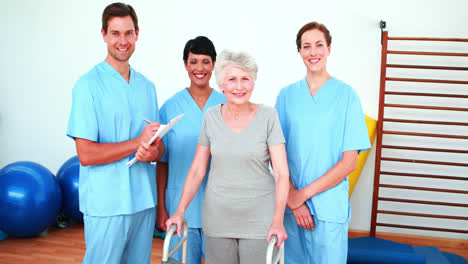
148,132
147,152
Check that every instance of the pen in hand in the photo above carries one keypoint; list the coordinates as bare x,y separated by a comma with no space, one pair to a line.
147,121
130,163
162,130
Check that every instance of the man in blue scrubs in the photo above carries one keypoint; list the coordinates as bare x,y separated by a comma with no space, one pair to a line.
324,127
109,102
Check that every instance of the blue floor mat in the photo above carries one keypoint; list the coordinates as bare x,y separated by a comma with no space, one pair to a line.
432,254
454,258
371,250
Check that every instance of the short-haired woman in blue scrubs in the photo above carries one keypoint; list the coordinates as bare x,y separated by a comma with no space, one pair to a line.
181,142
324,127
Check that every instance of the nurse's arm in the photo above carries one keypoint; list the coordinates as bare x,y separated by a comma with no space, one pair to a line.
332,177
192,183
292,190
301,213
93,153
162,173
281,174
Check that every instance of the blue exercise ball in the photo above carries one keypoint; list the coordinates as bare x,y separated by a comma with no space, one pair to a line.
69,177
30,199
3,235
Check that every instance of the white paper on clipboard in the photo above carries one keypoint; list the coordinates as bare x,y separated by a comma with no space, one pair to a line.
163,129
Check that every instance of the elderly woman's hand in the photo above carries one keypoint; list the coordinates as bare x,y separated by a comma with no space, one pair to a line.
177,219
279,231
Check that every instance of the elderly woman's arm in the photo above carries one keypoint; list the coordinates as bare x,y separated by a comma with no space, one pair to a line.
281,174
332,177
192,183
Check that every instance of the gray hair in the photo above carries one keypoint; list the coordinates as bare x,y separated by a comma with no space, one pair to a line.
240,60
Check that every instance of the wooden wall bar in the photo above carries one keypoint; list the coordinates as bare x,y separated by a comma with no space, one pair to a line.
398,184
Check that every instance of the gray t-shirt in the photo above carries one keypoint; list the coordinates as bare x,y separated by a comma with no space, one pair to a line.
240,194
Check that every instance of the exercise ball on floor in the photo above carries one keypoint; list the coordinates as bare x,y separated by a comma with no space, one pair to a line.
3,235
30,199
69,176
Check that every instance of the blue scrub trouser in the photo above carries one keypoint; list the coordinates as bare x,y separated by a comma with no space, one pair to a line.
195,246
119,239
326,244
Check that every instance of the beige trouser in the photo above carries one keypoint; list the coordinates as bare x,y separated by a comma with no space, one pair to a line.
234,250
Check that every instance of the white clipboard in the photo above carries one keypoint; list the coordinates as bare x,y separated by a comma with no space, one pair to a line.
163,129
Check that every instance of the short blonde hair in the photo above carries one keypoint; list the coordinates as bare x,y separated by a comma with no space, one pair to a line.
240,60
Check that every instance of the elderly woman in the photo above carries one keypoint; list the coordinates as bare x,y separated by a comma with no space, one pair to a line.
243,204
324,126
181,142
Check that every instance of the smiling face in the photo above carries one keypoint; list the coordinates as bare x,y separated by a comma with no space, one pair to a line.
314,51
120,38
237,85
199,68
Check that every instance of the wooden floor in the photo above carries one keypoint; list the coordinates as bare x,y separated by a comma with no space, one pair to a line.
59,246
66,246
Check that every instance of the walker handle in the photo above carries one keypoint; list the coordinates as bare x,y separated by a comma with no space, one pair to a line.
182,242
273,259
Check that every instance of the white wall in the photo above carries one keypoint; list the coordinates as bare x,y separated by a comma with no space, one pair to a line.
46,45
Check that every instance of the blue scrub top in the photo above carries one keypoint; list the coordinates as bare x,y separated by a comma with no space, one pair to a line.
181,142
107,109
318,129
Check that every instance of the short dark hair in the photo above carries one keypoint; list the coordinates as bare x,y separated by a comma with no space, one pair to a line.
118,10
200,45
310,26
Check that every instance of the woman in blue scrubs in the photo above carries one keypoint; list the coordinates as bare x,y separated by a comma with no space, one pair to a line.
181,142
324,127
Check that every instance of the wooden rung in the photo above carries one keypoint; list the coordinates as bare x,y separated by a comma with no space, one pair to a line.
393,173
425,122
429,39
427,53
426,149
422,202
427,107
422,188
426,162
423,134
423,215
424,80
428,94
424,228
427,67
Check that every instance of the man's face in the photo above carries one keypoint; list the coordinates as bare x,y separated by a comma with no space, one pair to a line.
120,38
